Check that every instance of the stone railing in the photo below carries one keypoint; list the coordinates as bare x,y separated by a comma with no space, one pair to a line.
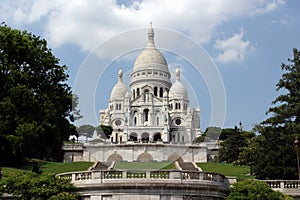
149,184
289,187
140,175
283,184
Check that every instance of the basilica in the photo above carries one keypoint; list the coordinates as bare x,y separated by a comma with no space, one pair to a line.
152,109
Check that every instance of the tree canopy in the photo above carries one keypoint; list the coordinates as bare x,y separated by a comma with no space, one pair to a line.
254,190
272,154
35,100
106,130
234,140
86,130
29,185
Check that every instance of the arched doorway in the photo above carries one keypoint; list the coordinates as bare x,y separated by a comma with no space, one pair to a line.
157,137
133,137
145,137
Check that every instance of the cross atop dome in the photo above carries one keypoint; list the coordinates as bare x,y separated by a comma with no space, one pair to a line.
150,36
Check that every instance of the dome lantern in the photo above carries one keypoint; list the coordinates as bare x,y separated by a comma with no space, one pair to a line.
150,36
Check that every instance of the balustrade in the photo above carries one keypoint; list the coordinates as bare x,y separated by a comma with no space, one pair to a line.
283,184
150,175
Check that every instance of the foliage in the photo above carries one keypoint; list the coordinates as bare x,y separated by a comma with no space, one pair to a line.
35,101
234,141
75,114
36,186
86,129
106,130
210,134
254,190
272,153
241,172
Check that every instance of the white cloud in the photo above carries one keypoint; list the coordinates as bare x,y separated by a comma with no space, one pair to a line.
234,48
87,22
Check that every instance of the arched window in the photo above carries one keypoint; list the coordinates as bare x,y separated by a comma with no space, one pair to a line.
146,113
135,120
146,97
155,91
137,92
161,92
133,93
176,106
157,121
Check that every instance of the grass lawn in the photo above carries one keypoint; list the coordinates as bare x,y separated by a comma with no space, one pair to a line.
145,165
52,167
241,172
56,168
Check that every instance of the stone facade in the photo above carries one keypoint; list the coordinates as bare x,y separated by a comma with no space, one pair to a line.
153,109
93,152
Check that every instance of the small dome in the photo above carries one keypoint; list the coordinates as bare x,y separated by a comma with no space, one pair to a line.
120,89
177,91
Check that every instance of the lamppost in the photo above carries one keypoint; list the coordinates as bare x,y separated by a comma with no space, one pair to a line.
296,143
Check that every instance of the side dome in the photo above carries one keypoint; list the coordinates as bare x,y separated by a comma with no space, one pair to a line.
120,89
177,91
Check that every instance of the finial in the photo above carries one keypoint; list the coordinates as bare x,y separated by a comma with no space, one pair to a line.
177,73
150,36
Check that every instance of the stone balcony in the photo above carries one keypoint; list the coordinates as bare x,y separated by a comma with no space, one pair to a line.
141,184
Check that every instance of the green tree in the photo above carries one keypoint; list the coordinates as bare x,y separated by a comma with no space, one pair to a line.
86,129
106,130
275,156
35,100
233,142
75,114
254,190
37,186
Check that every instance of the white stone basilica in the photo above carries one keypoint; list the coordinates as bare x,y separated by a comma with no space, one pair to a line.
153,109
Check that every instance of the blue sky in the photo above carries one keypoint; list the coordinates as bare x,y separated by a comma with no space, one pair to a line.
246,42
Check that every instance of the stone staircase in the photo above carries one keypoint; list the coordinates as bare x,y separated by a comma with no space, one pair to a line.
100,166
190,166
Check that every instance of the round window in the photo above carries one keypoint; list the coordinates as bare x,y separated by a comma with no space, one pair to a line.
178,121
118,122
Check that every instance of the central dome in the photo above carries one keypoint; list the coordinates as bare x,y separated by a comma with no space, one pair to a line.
151,57
150,68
